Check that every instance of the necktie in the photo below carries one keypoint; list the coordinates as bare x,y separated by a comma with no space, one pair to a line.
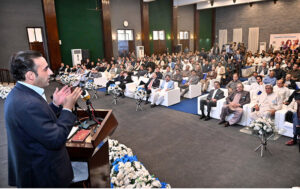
150,84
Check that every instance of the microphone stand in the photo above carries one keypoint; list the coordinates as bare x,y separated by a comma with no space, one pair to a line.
88,102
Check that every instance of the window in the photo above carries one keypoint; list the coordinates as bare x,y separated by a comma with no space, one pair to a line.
159,35
125,35
34,35
184,35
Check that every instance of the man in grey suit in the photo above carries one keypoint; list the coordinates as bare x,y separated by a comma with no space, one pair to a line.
211,100
193,80
263,70
235,103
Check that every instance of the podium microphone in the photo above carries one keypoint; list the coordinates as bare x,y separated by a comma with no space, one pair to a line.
86,96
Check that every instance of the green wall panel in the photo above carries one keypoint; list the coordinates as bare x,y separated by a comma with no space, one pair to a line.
79,28
205,30
160,18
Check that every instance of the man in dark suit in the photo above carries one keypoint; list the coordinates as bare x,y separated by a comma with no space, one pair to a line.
36,137
235,103
123,78
211,100
151,84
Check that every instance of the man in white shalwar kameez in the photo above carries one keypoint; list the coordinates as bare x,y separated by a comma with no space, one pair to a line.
159,94
267,104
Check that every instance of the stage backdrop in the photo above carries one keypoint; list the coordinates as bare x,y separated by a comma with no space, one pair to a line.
284,40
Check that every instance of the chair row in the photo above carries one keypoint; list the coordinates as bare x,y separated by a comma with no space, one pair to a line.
285,128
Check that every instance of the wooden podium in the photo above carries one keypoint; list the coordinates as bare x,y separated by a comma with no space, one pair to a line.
87,151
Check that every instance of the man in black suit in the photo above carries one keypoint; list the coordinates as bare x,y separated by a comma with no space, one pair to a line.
123,78
37,131
211,100
151,84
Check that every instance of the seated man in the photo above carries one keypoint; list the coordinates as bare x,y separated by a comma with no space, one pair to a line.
267,104
252,79
123,78
270,79
186,72
282,91
177,76
231,86
94,73
193,80
158,96
235,103
61,69
211,100
257,88
206,80
153,83
296,117
168,72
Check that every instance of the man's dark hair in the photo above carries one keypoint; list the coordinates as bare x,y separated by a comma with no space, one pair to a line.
259,77
22,62
218,83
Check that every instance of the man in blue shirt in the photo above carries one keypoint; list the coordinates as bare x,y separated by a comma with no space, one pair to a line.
270,79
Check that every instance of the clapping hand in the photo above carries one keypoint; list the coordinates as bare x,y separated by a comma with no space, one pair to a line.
60,95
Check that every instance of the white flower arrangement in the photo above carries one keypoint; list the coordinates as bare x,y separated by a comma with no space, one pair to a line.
262,126
127,171
139,93
114,89
69,79
4,91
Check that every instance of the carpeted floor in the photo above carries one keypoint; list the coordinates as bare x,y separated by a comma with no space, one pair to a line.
180,149
186,105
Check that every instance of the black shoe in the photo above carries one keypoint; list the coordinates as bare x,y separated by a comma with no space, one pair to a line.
206,119
202,116
221,122
226,124
147,102
153,105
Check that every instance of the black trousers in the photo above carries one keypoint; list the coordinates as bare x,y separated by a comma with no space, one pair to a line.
209,104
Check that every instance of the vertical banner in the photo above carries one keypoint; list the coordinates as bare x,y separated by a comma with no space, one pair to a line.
284,41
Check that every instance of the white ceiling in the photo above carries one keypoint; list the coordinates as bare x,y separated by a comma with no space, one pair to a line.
205,4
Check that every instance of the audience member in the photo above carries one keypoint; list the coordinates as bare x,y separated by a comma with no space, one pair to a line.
211,100
234,104
159,94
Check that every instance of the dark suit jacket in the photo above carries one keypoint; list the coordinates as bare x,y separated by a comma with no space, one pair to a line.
260,69
245,98
124,80
154,85
37,156
219,94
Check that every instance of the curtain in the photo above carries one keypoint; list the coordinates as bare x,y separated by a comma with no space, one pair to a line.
237,35
222,38
253,39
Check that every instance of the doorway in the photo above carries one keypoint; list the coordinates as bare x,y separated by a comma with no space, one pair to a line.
125,42
35,39
159,42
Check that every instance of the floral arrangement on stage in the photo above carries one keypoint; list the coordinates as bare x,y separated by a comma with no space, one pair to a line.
139,93
4,91
114,89
262,126
127,171
69,79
